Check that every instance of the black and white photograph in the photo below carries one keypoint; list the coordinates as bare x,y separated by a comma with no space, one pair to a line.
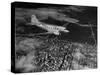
53,37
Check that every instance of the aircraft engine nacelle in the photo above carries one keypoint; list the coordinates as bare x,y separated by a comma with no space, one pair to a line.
56,33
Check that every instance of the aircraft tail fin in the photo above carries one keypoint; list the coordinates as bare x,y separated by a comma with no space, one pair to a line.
34,19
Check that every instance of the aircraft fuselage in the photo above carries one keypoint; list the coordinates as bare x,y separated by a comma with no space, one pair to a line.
52,28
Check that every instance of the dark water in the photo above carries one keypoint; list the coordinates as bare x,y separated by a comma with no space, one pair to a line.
79,34
83,34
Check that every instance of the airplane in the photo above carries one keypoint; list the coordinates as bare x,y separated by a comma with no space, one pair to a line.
51,29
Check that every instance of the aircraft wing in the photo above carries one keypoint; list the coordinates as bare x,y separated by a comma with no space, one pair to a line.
65,25
86,25
71,20
44,33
